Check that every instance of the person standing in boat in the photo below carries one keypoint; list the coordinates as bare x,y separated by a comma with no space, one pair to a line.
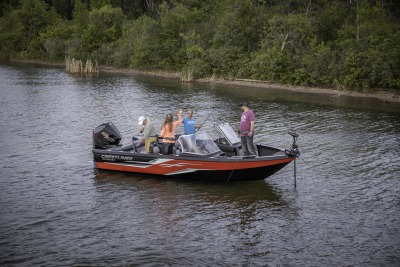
168,132
247,129
149,134
189,125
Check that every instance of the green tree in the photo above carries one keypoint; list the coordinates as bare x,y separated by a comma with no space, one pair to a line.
8,5
105,26
194,65
352,44
131,9
370,49
173,23
238,33
63,7
80,16
12,34
142,42
93,30
97,4
24,25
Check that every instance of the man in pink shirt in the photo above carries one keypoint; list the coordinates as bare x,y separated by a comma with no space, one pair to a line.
247,129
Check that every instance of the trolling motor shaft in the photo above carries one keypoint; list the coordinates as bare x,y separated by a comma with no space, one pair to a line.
295,153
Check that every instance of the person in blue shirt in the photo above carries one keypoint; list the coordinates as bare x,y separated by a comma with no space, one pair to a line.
189,125
189,128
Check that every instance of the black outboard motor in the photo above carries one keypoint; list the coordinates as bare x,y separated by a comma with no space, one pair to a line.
106,135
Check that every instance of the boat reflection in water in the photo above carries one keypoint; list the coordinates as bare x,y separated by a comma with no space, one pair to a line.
242,195
195,157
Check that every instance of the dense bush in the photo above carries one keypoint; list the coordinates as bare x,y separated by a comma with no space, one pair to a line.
329,43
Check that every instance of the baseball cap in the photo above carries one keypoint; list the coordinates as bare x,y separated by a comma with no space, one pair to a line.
244,103
141,119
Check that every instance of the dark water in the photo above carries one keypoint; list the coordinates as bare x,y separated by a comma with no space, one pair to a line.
57,210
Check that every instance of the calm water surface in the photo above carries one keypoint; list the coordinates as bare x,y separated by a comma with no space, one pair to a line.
57,210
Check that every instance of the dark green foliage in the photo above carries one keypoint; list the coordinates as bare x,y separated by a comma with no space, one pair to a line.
63,7
8,5
142,43
20,29
330,43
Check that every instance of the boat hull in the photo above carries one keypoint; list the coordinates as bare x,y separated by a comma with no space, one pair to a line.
214,169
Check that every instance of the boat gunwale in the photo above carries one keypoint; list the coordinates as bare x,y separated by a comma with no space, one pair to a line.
281,155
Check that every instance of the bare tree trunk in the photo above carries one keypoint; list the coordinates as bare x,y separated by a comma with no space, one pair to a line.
151,5
284,42
357,21
308,7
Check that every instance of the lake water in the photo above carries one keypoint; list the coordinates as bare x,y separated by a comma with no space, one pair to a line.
56,209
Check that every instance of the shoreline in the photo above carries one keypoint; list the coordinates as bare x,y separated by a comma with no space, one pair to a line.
380,95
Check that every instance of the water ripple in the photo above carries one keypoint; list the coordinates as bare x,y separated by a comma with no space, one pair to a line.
344,210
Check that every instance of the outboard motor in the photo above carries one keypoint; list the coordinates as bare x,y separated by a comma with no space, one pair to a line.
106,135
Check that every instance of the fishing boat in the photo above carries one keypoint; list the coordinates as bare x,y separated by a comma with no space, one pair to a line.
194,157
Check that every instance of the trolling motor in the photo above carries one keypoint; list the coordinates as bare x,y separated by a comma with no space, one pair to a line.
294,152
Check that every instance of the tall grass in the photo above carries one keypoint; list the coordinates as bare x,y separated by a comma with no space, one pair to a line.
73,65
187,74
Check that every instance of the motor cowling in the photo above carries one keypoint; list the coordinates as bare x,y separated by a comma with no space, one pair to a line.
106,135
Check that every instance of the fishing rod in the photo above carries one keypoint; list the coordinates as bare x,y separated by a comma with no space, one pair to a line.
203,122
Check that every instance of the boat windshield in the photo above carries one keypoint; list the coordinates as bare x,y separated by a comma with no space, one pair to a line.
230,134
198,144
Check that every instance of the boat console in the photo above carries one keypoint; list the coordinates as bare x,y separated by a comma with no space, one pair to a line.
229,142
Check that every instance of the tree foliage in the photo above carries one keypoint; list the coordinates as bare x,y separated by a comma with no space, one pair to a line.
352,44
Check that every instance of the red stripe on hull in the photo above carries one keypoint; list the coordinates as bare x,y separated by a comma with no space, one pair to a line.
177,165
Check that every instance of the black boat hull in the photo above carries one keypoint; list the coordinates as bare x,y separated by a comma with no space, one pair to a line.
216,169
